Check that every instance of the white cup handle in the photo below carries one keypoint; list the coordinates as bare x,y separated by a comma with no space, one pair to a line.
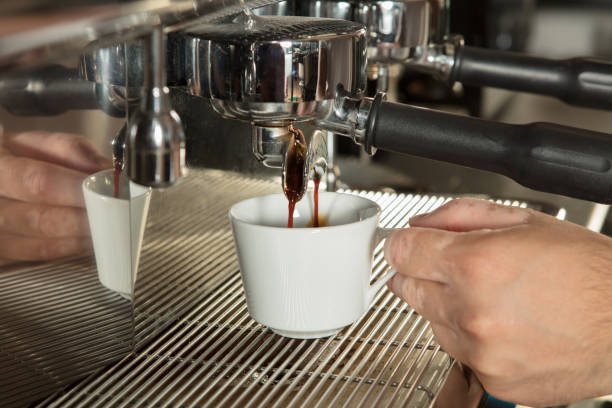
381,233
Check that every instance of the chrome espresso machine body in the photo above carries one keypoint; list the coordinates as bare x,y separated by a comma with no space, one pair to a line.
214,84
282,70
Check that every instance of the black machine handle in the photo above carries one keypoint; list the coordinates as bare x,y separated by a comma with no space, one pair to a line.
543,156
579,81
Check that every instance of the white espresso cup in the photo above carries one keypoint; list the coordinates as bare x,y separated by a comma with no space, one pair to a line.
307,282
117,226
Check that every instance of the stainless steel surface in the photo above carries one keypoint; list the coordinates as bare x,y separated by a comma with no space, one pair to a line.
58,325
49,90
395,19
409,32
438,58
397,30
282,8
29,36
282,69
197,345
124,62
119,64
270,144
350,118
439,22
54,89
156,141
381,74
328,8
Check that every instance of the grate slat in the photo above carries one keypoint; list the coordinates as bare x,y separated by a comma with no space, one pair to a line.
196,345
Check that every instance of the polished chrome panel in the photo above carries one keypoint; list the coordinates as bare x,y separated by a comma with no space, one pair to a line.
439,22
350,117
438,58
411,32
120,64
30,36
328,8
155,143
283,8
281,70
270,145
397,30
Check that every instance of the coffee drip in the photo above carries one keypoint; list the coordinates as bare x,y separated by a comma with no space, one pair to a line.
294,170
118,147
315,217
297,164
117,179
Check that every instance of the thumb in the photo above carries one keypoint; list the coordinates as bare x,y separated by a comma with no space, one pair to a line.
470,214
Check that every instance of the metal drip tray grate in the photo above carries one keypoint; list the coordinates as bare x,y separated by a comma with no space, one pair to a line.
57,326
197,345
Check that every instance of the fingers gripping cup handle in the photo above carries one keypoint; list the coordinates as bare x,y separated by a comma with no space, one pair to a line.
381,233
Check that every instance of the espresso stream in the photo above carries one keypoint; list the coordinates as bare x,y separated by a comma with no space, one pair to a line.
315,222
294,171
294,178
117,179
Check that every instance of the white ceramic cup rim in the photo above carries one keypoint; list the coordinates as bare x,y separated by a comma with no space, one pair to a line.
236,217
138,193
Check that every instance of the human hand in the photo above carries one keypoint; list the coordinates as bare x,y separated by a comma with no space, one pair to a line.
42,215
520,297
461,389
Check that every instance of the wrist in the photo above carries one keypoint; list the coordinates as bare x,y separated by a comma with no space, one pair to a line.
488,401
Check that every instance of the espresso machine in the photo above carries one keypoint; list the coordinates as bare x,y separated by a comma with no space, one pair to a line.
201,94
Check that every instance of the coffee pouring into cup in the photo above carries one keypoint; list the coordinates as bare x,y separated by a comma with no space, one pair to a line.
308,282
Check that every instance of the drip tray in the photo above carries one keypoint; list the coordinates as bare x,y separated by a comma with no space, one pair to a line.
197,346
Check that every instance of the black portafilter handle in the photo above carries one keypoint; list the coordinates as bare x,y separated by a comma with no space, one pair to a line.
578,81
542,156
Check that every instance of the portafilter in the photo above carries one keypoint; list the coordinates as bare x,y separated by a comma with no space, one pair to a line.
271,71
276,70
